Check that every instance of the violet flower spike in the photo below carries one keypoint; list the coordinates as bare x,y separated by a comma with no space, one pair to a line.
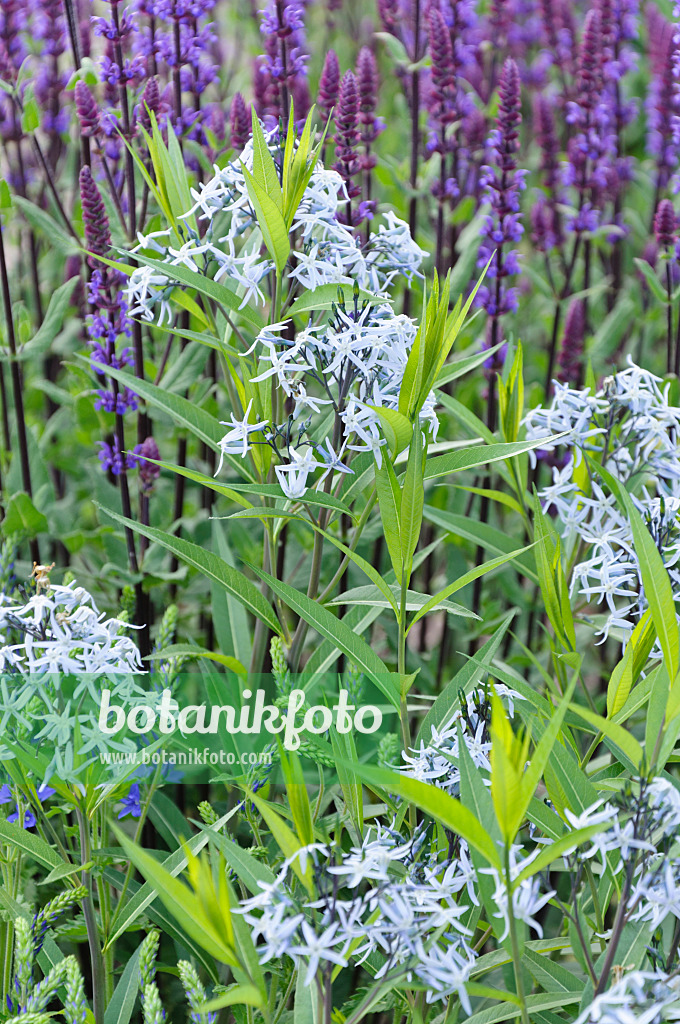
570,358
347,162
240,122
503,226
86,110
665,232
329,84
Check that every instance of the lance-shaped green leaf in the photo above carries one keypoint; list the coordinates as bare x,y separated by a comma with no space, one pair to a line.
412,501
464,580
481,455
614,732
438,804
397,429
270,221
552,581
185,905
264,169
511,399
389,502
216,290
211,565
349,642
655,578
624,676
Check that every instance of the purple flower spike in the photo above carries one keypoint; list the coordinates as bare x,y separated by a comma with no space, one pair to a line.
150,104
240,122
347,162
665,224
570,358
87,111
367,85
148,472
443,79
503,183
329,84
97,231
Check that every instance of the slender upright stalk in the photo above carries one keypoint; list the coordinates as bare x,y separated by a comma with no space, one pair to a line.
516,955
17,387
96,958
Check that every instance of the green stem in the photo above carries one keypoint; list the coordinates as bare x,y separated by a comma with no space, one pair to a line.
516,956
96,958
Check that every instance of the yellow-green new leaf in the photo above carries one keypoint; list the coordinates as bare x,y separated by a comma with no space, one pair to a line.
270,221
264,168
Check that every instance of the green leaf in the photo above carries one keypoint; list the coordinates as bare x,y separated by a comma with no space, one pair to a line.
487,537
438,804
534,1004
264,169
623,739
621,679
237,995
36,848
459,367
211,565
215,290
288,842
119,1010
481,455
64,871
541,754
550,975
337,631
389,501
655,578
305,1005
52,321
464,580
179,899
270,221
42,222
415,601
397,429
249,870
22,517
649,274
297,795
412,501
201,424
192,651
328,295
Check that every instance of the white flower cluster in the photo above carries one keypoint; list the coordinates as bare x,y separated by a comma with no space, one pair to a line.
629,428
437,761
343,365
60,629
385,897
639,997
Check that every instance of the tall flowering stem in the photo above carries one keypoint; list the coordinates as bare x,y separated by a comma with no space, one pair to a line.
284,43
503,227
666,237
109,319
17,386
347,162
442,110
370,125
